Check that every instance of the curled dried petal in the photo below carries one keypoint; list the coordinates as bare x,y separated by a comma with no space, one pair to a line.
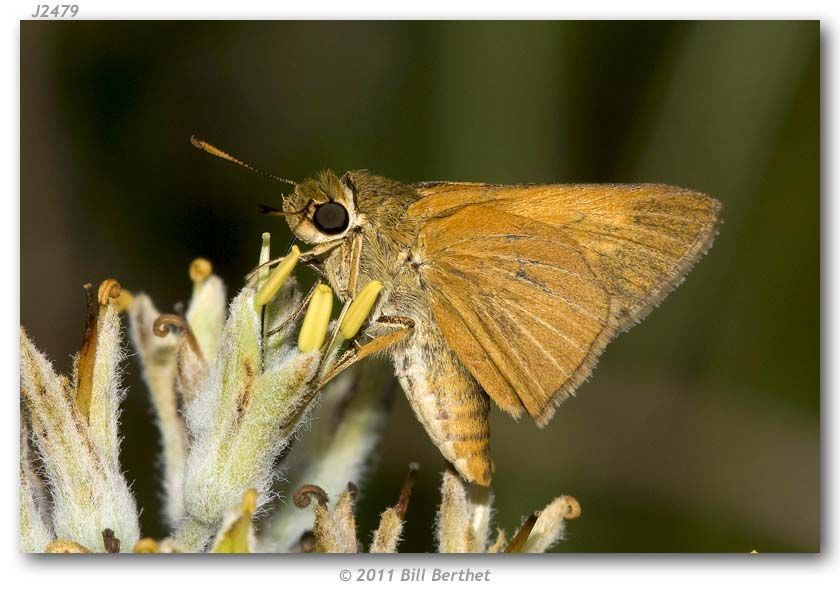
303,496
163,326
109,289
574,508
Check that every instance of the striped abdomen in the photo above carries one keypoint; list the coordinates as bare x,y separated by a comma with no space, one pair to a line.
447,401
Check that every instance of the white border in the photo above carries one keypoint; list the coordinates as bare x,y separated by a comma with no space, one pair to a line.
761,576
438,9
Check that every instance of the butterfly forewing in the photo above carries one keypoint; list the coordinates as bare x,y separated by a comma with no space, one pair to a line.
528,284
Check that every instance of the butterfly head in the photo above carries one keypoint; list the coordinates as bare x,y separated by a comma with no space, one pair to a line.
322,208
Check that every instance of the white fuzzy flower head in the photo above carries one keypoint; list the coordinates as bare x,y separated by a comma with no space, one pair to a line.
237,393
73,430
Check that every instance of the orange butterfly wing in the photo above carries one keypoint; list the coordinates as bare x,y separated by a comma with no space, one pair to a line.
528,284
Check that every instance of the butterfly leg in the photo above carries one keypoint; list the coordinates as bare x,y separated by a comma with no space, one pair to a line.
404,326
305,257
353,264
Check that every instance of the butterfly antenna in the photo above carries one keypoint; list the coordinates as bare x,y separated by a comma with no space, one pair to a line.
211,149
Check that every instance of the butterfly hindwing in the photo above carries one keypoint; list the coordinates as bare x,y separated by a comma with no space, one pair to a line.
528,284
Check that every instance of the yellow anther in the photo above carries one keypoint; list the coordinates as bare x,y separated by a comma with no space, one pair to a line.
360,309
317,319
65,547
146,546
200,270
277,278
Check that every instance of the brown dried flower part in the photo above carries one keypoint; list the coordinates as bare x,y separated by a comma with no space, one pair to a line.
111,542
573,507
334,531
304,494
73,422
108,290
550,524
521,536
405,492
165,323
463,521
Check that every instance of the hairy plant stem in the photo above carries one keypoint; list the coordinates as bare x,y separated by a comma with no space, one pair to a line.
194,535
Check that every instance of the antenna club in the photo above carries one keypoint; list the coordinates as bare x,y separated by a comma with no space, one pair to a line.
211,149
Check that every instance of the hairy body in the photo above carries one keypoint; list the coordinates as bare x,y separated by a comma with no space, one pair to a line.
447,401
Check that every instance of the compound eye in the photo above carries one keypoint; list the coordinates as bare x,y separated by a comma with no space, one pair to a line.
331,218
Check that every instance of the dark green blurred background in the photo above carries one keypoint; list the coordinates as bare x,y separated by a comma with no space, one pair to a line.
700,428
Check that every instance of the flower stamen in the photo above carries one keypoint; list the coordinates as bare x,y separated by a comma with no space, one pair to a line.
277,278
200,270
313,332
360,309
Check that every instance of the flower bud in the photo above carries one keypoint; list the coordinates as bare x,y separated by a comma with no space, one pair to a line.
200,270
